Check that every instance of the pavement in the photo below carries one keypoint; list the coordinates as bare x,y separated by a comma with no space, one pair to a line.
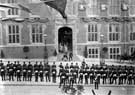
49,88
54,90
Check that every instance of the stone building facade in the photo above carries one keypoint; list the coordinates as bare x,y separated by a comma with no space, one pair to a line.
92,25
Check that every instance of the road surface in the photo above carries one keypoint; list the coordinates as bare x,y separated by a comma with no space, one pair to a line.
42,89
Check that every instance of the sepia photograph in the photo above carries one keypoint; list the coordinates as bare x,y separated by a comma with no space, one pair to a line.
67,47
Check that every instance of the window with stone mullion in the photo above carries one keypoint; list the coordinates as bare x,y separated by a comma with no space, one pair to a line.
114,32
114,52
93,52
37,33
92,32
13,34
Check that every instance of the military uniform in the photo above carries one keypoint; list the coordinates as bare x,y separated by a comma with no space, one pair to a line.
41,72
18,72
24,72
53,66
81,72
36,71
96,82
7,69
72,80
47,72
75,76
71,66
15,68
62,78
86,74
30,70
134,77
114,77
104,76
91,75
60,69
54,75
98,76
67,75
130,77
11,72
76,67
3,72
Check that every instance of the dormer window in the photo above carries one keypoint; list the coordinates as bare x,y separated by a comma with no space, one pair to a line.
124,7
103,7
81,7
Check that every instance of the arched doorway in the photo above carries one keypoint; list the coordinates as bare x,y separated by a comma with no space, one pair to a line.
65,39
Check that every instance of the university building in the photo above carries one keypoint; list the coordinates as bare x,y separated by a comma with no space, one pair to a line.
94,28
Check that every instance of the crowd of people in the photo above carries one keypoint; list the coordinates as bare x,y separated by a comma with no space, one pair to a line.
67,74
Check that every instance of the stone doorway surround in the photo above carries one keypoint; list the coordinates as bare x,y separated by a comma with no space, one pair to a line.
71,23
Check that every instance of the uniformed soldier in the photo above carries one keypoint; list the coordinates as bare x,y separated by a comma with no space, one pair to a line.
36,71
129,81
54,73
30,70
76,67
75,75
71,78
103,75
54,65
7,69
92,76
80,80
86,73
134,76
18,71
11,72
114,76
120,76
124,77
67,75
71,66
15,67
24,71
96,82
98,74
125,74
110,75
60,69
62,78
3,72
41,72
83,64
130,76
66,66
47,72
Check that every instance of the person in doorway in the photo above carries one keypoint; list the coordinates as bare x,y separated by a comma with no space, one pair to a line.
70,56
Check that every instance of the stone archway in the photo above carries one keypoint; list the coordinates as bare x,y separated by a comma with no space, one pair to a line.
65,39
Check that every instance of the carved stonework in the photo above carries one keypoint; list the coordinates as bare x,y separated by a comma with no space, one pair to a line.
71,23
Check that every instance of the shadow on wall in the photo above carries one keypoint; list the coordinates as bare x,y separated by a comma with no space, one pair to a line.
2,55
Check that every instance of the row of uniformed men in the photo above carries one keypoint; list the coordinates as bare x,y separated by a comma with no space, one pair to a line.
69,73
114,74
26,71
